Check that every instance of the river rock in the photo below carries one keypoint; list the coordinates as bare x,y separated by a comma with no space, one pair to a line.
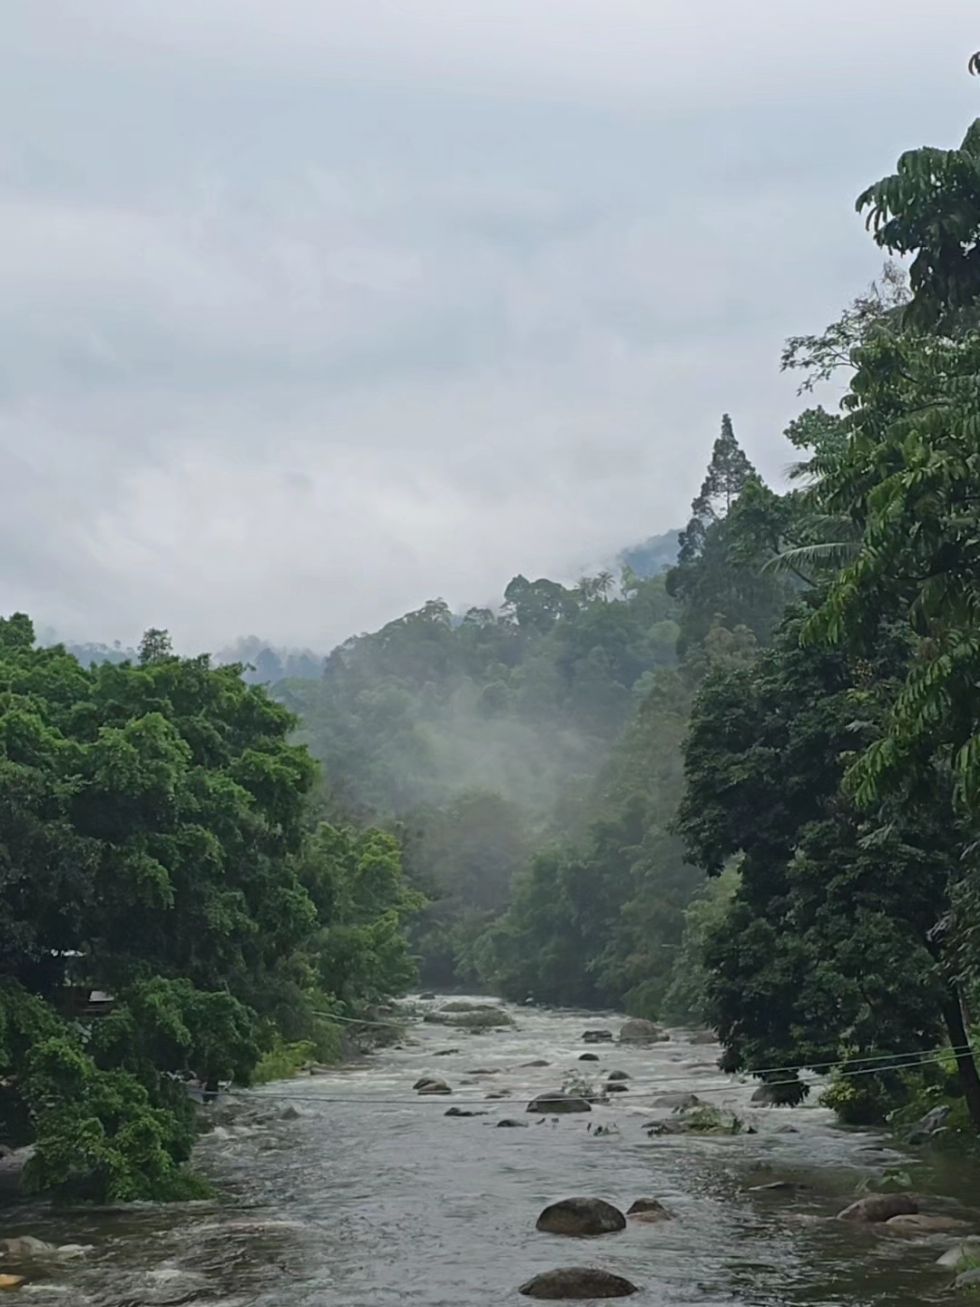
649,1210
427,998
558,1103
577,1282
765,1096
931,1125
913,1223
26,1245
677,1102
510,1123
618,1075
774,1187
462,1111
538,1062
879,1208
484,1071
11,1281
638,1031
597,1036
617,1087
445,1052
499,1093
428,1085
581,1216
289,1113
968,1280
703,1037
966,1251
588,1057
464,1005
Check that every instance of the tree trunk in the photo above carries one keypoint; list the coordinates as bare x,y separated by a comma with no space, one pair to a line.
965,1064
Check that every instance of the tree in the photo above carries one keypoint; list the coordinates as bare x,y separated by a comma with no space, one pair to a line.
830,949
155,843
728,472
930,207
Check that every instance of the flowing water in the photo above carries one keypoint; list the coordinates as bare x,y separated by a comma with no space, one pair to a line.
373,1197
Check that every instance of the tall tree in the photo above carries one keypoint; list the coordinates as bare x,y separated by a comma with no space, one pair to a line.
729,470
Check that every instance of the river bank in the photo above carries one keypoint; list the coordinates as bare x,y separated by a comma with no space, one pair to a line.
349,1189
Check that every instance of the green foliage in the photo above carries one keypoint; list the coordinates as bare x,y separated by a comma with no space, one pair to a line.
861,1100
283,1060
155,842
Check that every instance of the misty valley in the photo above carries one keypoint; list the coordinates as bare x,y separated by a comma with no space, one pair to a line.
620,938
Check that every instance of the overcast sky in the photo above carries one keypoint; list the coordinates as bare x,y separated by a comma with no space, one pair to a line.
314,309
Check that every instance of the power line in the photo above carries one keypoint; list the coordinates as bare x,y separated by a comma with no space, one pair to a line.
652,1091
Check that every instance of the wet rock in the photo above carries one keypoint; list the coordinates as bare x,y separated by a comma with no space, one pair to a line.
968,1280
11,1281
499,1093
588,1057
429,1085
575,1282
427,998
648,1210
510,1123
638,1031
765,1096
558,1103
931,1125
462,1111
538,1062
618,1075
879,1208
703,1037
597,1037
464,1005
581,1216
775,1187
289,1113
26,1245
966,1251
474,1019
445,1052
787,1130
484,1071
916,1223
677,1102
617,1087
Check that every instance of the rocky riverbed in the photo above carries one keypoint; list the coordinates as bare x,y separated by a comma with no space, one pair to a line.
354,1188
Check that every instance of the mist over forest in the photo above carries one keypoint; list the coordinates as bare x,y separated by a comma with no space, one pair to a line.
728,784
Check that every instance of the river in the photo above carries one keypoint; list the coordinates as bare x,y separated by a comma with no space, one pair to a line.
373,1197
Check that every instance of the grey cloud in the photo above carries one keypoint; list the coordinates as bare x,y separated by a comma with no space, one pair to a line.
313,311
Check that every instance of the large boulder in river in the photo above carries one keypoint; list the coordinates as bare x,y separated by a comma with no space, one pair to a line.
588,1057
26,1245
597,1037
913,1224
649,1210
639,1031
558,1103
581,1216
577,1282
879,1208
430,1085
677,1102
